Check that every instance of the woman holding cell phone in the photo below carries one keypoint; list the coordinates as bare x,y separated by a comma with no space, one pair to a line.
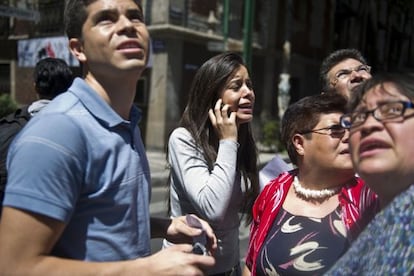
213,155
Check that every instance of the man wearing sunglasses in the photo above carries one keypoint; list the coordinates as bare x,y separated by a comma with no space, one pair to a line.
343,70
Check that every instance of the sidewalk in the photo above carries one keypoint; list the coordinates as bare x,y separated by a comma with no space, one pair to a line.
159,170
158,166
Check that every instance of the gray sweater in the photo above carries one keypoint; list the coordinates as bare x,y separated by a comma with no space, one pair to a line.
213,195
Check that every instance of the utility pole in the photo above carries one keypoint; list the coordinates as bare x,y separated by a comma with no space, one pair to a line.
247,32
284,81
226,12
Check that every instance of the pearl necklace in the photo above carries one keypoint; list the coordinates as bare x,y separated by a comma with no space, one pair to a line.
313,194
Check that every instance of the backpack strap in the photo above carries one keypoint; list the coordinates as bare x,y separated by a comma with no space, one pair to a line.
20,116
10,125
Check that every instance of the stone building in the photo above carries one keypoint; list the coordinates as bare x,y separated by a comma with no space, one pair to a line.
278,38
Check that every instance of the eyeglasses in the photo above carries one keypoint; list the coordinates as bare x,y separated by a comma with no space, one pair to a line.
333,130
383,112
345,73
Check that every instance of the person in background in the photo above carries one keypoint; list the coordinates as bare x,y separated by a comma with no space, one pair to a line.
78,192
305,219
272,169
381,139
51,77
213,155
342,70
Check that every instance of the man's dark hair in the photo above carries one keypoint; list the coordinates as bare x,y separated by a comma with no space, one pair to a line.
305,114
75,16
52,76
333,59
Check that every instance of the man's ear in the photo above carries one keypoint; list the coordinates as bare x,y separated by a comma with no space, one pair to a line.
298,141
76,48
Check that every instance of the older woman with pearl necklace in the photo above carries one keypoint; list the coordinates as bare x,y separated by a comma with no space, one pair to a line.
305,219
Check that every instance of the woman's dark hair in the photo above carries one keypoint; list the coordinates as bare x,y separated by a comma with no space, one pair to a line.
208,83
52,76
304,115
404,82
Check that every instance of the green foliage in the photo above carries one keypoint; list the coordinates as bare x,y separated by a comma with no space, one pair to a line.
271,136
7,105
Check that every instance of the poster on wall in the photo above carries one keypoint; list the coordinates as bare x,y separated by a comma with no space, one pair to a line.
30,51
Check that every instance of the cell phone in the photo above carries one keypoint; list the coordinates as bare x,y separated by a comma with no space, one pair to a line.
228,110
200,241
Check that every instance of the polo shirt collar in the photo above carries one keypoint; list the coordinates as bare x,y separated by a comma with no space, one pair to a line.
99,108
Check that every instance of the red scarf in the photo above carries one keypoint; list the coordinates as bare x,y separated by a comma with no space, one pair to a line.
359,205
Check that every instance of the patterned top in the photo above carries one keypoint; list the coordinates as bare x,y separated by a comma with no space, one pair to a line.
298,245
358,205
386,246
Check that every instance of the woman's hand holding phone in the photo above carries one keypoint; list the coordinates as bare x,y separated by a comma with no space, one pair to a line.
224,121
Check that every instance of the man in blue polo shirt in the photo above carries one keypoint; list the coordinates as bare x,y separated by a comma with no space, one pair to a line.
78,192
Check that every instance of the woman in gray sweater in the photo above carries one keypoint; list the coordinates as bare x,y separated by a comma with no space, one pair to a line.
213,155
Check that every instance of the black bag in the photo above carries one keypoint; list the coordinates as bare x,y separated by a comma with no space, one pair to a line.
9,127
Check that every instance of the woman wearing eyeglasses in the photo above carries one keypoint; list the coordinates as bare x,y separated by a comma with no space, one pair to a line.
381,127
305,219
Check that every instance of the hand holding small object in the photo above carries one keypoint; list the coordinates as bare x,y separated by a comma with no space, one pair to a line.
200,241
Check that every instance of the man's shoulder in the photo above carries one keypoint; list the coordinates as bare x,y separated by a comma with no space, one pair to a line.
61,104
56,126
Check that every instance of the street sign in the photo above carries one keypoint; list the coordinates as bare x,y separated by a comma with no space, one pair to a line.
24,14
215,46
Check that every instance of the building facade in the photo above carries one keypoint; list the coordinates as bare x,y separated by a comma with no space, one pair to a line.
288,37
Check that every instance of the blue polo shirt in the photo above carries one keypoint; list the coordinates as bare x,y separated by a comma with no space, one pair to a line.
79,162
